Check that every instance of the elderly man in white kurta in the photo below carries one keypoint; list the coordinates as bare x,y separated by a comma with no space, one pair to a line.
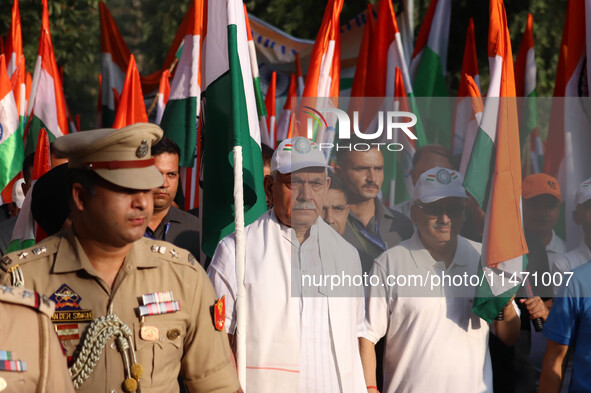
300,337
434,342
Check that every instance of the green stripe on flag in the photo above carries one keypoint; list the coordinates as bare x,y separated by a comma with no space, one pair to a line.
225,121
33,134
430,82
179,123
11,157
486,304
261,108
480,166
19,244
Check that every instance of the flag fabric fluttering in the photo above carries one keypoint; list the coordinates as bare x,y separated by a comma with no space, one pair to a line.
132,108
401,186
15,62
525,86
567,154
463,112
115,57
11,138
229,104
428,67
25,228
386,54
493,176
287,116
360,77
324,72
47,105
182,111
475,110
163,95
271,105
256,80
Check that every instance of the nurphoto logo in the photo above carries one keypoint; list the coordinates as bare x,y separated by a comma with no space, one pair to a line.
388,122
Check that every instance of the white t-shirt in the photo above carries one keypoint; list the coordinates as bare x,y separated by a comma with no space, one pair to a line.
555,249
434,342
572,259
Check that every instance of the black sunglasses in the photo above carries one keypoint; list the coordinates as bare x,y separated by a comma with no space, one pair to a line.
439,210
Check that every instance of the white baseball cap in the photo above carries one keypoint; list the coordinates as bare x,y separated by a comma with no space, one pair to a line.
438,183
297,153
583,192
18,196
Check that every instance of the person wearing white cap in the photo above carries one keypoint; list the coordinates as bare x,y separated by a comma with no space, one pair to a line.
434,342
582,216
300,338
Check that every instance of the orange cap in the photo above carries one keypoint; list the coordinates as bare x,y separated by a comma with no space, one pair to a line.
539,184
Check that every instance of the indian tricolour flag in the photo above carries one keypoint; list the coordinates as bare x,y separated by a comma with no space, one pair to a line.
428,67
287,116
16,62
567,156
229,117
163,95
324,71
525,86
271,105
463,111
472,90
493,176
114,57
11,139
179,120
131,108
47,105
25,228
256,80
385,55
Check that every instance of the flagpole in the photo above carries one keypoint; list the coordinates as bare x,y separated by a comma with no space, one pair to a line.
241,310
241,305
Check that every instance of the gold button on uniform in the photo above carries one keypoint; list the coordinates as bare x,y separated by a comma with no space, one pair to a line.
172,334
3,384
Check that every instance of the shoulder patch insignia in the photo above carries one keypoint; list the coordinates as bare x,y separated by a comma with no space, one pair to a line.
26,297
191,259
219,313
67,306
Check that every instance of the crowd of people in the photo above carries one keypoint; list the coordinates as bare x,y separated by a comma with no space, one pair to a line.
133,309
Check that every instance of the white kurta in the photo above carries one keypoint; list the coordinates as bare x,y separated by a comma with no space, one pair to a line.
295,342
434,342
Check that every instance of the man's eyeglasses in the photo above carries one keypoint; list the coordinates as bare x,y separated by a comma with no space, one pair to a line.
439,210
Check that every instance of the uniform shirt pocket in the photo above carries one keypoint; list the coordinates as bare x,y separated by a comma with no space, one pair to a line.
159,349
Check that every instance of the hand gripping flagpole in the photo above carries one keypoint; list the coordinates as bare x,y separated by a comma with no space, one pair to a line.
236,80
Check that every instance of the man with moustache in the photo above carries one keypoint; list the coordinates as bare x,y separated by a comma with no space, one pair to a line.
168,222
372,228
131,313
434,341
301,337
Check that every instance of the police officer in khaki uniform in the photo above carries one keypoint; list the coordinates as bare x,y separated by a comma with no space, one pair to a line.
31,359
131,312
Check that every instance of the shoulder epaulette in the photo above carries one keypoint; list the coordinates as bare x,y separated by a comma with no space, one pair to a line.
11,262
26,297
172,253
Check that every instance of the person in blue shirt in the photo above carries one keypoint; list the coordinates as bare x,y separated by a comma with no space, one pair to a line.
569,327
